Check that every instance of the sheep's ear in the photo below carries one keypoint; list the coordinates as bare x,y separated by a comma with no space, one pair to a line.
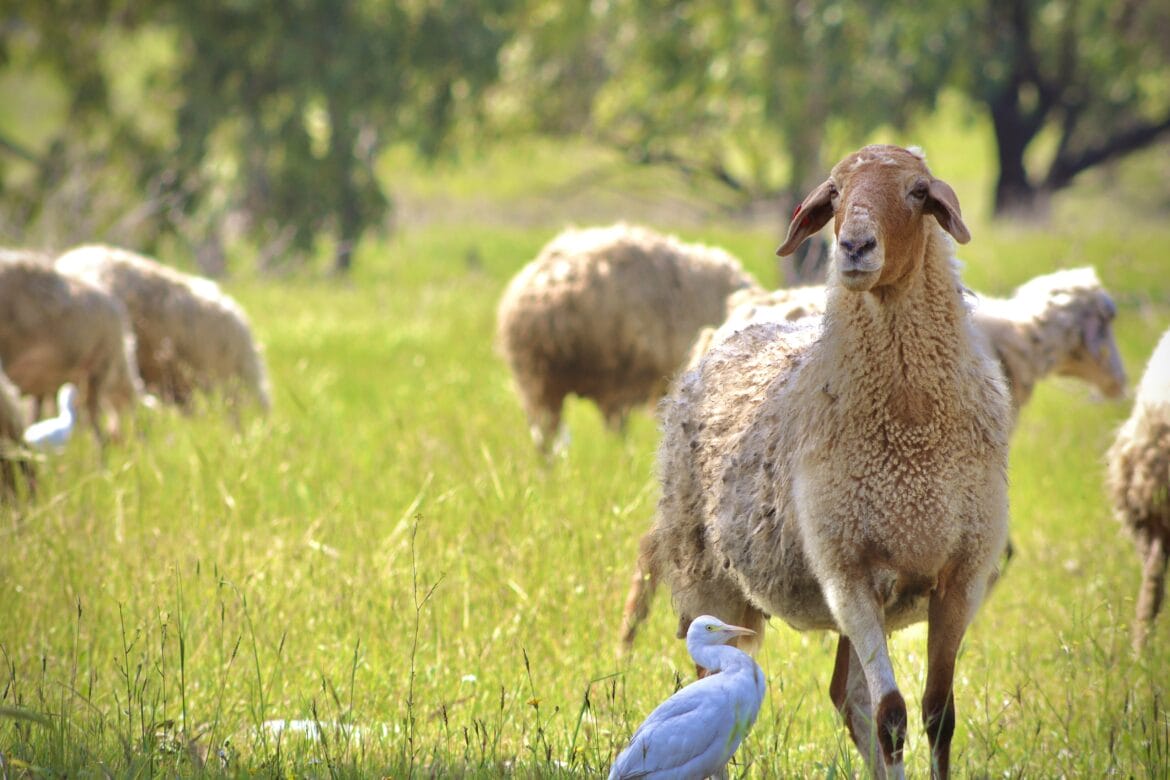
943,203
809,217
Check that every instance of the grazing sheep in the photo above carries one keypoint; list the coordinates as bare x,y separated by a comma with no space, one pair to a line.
191,335
1055,323
608,314
1059,323
848,473
56,329
1138,481
13,460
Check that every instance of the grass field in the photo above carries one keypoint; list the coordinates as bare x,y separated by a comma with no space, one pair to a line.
386,557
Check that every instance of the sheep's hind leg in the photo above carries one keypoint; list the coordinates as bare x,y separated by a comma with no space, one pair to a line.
1153,589
642,587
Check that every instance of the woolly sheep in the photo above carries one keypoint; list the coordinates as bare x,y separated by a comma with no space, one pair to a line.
1060,323
56,329
191,335
608,313
14,462
1138,482
848,473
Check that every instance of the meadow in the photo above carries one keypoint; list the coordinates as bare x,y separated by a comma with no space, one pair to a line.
385,564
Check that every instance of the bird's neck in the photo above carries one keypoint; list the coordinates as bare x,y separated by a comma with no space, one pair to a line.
719,658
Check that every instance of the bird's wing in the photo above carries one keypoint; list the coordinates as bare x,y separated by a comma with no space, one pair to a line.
685,736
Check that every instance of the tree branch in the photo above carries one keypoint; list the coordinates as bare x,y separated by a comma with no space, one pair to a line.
1065,168
17,150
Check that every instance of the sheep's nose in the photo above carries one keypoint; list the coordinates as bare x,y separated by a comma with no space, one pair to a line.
856,248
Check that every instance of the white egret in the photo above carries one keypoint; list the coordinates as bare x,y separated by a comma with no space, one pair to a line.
694,733
54,432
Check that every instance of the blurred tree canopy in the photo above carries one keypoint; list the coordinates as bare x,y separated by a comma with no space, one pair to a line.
1093,74
267,117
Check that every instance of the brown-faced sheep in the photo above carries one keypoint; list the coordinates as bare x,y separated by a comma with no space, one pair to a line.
56,329
848,473
191,335
15,464
608,314
1138,481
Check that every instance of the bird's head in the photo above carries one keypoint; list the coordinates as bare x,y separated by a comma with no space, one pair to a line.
66,397
708,630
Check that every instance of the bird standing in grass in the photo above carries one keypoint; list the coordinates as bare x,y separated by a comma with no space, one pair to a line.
54,433
694,733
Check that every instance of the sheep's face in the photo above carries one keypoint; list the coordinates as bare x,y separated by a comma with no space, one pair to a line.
1096,359
878,199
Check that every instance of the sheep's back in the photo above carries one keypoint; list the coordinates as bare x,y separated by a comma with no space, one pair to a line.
614,300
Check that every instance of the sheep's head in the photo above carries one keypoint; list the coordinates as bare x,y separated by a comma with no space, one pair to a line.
879,198
1096,359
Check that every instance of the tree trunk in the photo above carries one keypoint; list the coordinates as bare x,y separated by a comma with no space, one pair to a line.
1015,195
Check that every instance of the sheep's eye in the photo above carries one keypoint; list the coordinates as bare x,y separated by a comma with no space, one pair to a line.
920,191
833,193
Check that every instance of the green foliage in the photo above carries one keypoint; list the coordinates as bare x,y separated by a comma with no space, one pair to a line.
387,556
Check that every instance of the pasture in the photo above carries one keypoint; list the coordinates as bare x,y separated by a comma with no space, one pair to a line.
387,557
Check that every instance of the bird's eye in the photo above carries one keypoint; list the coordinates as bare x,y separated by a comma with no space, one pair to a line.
710,627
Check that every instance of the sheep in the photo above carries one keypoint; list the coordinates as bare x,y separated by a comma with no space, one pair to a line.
609,314
1059,323
56,329
1056,323
191,335
848,473
1138,484
14,460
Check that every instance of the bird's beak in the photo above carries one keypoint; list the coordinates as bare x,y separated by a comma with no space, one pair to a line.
738,631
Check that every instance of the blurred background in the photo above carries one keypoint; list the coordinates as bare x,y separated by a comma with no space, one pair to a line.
284,133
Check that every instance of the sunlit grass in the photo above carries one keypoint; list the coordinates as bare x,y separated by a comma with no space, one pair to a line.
387,557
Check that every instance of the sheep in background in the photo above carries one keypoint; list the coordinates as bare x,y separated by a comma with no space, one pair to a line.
1057,323
14,460
609,314
1138,482
848,473
56,329
191,335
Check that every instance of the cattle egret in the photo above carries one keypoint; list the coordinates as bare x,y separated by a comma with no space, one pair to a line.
694,733
53,433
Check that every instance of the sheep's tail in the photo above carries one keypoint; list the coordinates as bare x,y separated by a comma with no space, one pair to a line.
642,587
1153,590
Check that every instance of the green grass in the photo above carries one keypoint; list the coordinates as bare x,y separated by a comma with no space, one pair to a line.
386,552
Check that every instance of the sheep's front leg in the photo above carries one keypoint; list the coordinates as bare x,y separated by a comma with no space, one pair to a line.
850,694
952,605
859,616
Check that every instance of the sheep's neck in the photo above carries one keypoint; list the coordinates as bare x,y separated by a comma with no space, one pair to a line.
911,337
1029,346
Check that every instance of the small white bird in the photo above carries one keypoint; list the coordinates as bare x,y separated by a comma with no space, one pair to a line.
694,733
54,432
